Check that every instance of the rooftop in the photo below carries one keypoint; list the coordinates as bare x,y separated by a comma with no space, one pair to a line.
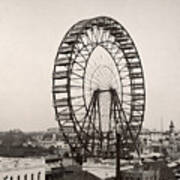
8,164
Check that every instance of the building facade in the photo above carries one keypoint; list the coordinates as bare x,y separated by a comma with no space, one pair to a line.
22,169
139,173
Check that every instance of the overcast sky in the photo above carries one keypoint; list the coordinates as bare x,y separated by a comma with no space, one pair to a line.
31,31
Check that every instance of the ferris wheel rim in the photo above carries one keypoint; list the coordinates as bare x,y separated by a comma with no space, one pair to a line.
84,24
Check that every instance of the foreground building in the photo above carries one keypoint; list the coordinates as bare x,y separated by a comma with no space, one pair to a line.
58,168
22,169
141,173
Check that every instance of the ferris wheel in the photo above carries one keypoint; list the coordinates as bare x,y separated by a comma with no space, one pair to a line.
98,86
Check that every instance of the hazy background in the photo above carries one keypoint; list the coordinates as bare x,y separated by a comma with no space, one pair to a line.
30,33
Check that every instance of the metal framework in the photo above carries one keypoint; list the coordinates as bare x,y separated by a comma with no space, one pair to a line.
84,83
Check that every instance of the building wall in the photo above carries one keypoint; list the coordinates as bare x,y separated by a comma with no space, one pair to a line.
140,175
36,173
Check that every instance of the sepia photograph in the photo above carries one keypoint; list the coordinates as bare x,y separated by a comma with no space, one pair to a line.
90,90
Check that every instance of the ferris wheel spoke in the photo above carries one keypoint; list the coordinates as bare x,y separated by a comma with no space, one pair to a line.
95,78
98,78
78,47
78,109
99,69
77,100
90,41
127,94
108,35
95,81
89,36
100,35
83,56
95,34
78,75
125,77
80,65
127,103
104,33
84,45
126,85
76,97
111,49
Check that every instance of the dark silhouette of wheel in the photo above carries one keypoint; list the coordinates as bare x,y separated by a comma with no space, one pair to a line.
98,87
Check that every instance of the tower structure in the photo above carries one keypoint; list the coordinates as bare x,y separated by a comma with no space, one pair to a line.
171,127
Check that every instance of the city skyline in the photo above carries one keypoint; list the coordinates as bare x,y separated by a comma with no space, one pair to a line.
31,32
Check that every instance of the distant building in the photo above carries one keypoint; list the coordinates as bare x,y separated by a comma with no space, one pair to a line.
165,173
54,167
140,173
104,169
152,170
171,127
22,169
166,143
58,167
53,130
